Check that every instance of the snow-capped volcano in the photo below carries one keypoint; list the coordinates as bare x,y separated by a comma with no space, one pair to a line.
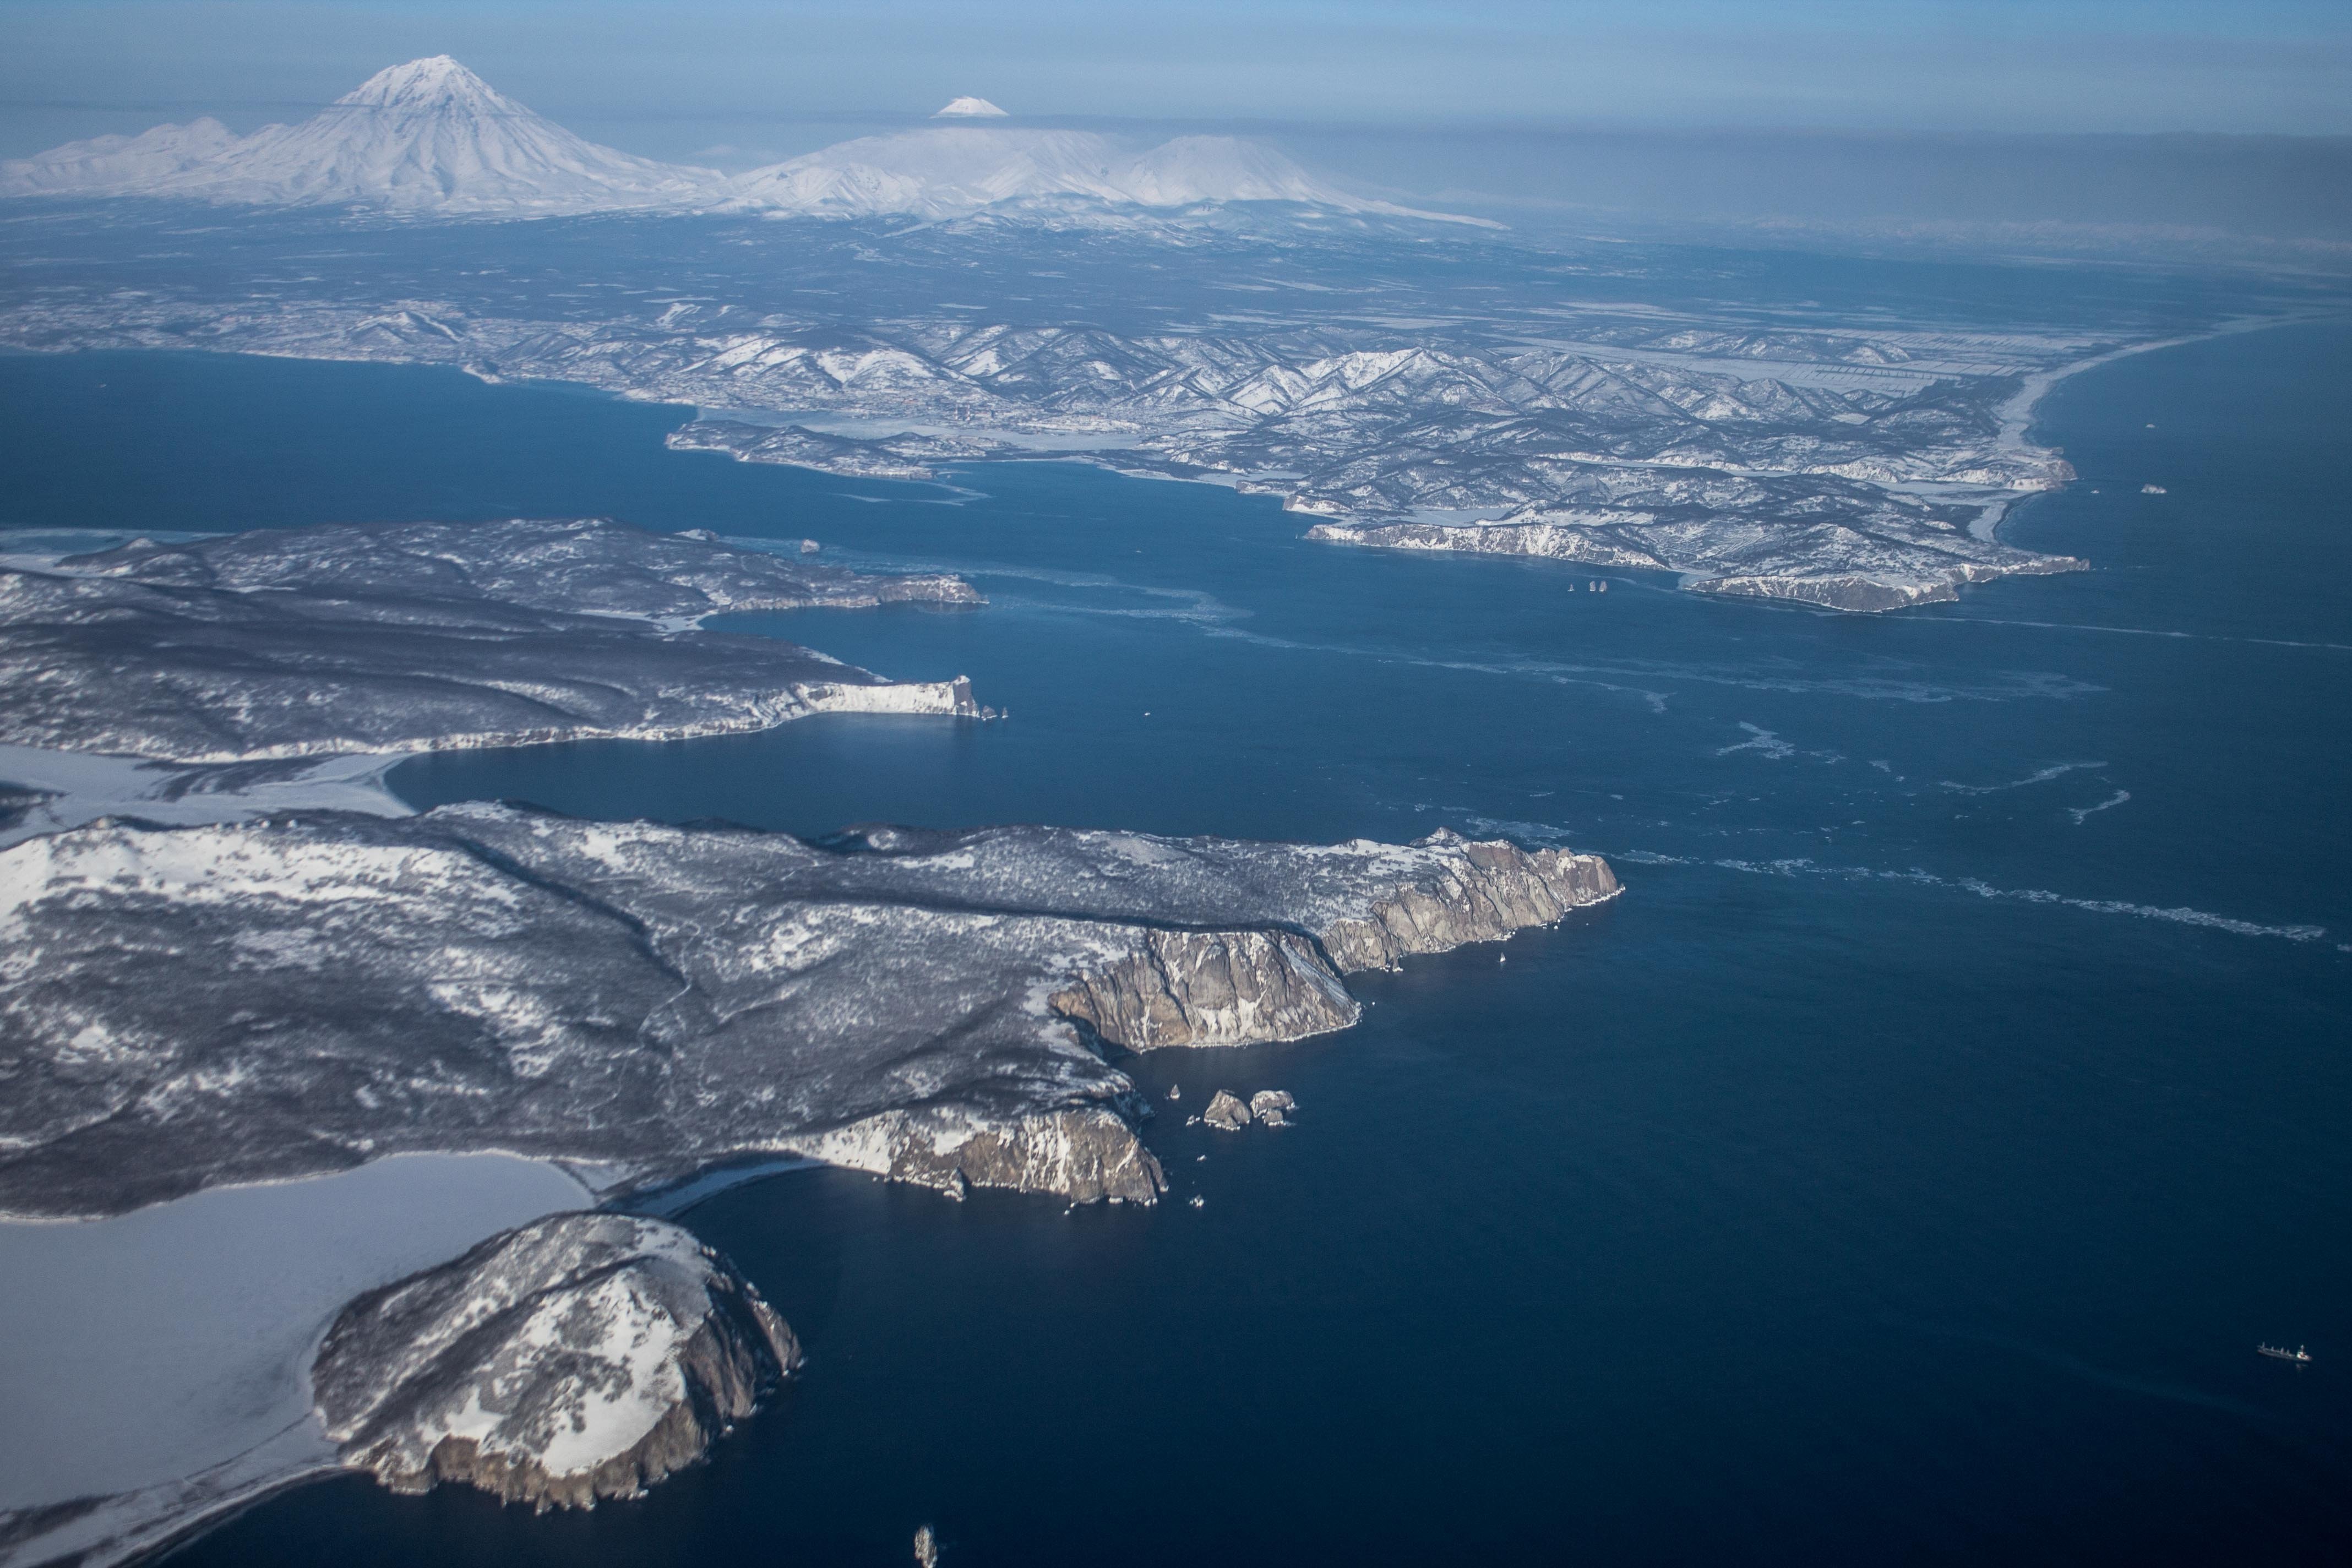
428,136
947,171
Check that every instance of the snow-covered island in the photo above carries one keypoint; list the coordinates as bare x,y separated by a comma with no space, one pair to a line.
311,642
645,1004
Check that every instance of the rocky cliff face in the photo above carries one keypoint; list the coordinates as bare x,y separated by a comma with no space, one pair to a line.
1086,1154
579,1357
1212,988
1484,894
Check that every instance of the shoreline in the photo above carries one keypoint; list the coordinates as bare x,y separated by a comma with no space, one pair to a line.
2017,412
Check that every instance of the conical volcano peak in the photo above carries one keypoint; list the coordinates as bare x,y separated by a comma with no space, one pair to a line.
969,108
433,81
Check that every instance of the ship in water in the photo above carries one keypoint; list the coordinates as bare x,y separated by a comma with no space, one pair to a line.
2300,1356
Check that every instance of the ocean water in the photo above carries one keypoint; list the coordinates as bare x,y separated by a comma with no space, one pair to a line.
1905,1169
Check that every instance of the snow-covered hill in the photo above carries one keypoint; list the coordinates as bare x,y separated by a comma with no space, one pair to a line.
431,139
427,137
111,165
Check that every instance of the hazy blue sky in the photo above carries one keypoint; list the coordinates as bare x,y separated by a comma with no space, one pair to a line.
2033,65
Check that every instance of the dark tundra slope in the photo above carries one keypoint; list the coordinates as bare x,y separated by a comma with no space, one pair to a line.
185,1007
299,642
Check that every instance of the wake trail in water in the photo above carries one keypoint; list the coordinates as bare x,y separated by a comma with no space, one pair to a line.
1800,866
2136,632
1201,605
1758,739
2075,1366
1869,688
2056,770
2080,812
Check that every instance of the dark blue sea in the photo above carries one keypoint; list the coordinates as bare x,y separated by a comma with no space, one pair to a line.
1903,1170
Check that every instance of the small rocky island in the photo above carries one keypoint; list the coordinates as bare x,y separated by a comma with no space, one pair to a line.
579,1357
304,642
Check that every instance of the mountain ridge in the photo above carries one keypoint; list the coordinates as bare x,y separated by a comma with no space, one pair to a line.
430,138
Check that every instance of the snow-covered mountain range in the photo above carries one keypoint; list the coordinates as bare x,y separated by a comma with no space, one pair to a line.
431,139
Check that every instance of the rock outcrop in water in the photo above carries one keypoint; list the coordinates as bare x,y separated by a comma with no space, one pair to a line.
1226,1111
190,1006
287,643
579,1357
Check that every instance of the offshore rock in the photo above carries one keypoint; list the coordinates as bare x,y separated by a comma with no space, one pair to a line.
304,642
1272,1107
184,1007
579,1357
1226,1112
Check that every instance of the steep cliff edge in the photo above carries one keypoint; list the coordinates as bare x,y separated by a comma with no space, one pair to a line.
579,1357
1493,889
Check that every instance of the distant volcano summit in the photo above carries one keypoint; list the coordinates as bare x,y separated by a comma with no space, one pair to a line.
430,138
427,137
